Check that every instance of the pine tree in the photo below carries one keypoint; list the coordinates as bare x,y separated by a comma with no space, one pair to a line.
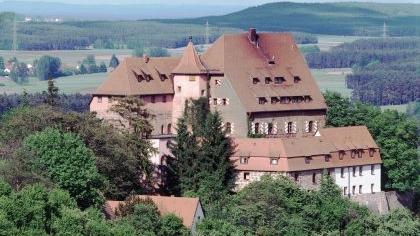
2,67
102,67
114,62
51,95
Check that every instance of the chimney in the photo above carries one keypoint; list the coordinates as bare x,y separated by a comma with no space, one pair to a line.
252,35
146,58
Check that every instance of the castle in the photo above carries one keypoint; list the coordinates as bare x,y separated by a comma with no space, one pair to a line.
262,86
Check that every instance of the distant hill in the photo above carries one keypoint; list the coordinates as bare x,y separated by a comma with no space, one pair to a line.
322,18
114,12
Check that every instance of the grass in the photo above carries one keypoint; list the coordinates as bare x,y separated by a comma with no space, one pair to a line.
70,84
399,108
332,80
326,42
68,57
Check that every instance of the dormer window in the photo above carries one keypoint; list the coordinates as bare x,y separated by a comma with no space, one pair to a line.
299,99
163,77
371,152
296,79
327,158
217,82
308,98
341,155
274,100
255,80
268,80
359,153
308,160
274,161
262,100
353,153
279,80
294,99
243,160
148,78
285,100
139,78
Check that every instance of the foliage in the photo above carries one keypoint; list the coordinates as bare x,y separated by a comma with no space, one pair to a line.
2,67
51,95
129,203
48,67
218,227
156,52
19,73
114,62
69,163
394,132
102,68
206,169
138,52
309,49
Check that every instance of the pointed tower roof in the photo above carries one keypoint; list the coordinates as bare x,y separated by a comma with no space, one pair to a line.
190,63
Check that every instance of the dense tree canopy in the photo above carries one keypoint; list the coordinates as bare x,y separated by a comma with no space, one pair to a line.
47,67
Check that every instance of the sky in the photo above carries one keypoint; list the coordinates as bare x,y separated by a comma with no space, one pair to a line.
204,2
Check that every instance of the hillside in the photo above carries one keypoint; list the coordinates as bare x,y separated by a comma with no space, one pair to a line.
322,18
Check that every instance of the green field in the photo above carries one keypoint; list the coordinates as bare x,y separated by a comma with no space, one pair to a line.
332,80
400,108
71,84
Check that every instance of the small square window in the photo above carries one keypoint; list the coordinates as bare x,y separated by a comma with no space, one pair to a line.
274,161
255,80
214,101
308,160
327,158
203,92
296,79
267,80
243,160
274,100
217,82
99,99
246,176
262,100
360,189
224,101
179,88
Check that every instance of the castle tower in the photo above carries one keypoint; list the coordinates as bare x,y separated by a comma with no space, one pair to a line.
190,81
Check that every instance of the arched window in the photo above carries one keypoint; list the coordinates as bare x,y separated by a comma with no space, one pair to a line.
161,129
169,129
289,127
257,128
310,126
228,128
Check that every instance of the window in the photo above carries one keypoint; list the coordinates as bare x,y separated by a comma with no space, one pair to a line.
228,128
360,189
353,189
99,99
169,129
327,158
163,98
139,78
262,100
284,100
161,129
274,100
243,160
296,79
372,187
342,172
308,160
203,92
191,78
359,153
308,98
310,126
279,80
354,171
341,155
353,153
148,78
268,80
257,128
270,128
214,101
371,152
217,82
314,178
163,77
152,99
255,80
360,170
179,88
345,190
289,127
224,101
296,176
274,161
372,169
246,175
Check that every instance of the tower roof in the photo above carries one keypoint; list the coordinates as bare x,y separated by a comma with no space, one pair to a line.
190,63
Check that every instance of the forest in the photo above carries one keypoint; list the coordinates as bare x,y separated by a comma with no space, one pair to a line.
43,195
385,71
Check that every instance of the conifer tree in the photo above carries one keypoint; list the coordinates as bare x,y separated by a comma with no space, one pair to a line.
51,95
2,66
114,62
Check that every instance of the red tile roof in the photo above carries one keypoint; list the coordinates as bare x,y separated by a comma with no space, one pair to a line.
190,63
183,207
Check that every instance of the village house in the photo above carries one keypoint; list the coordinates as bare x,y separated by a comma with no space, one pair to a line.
189,210
262,86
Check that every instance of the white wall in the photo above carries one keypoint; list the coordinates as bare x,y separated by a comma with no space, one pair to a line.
366,179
